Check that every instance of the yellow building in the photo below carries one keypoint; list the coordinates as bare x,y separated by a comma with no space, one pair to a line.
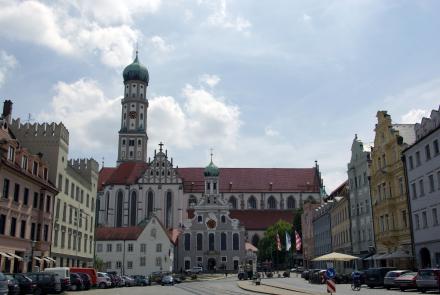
389,198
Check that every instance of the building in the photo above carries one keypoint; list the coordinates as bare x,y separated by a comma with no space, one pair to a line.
211,238
340,225
137,188
26,203
76,180
137,250
358,170
389,199
422,161
322,232
308,238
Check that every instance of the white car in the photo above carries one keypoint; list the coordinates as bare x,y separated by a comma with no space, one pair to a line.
103,280
197,269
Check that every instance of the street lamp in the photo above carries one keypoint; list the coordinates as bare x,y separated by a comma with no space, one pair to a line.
32,253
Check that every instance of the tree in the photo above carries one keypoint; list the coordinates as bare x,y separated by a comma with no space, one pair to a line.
98,264
297,220
267,247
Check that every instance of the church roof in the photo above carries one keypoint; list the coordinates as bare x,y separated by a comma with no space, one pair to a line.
118,233
254,179
257,219
104,174
125,173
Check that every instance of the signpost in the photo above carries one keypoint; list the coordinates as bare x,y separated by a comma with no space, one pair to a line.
330,273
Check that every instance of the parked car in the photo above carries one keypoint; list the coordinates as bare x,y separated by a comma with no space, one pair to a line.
26,285
388,280
87,270
318,276
129,282
167,280
141,280
305,274
64,275
3,284
13,287
406,281
103,280
197,269
76,283
87,281
156,276
375,276
47,282
428,279
116,280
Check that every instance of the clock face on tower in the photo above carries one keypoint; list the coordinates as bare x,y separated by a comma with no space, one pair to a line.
132,114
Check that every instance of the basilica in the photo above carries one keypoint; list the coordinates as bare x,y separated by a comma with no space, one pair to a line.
243,202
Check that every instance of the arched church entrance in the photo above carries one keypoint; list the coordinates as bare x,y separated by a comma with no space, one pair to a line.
425,257
212,264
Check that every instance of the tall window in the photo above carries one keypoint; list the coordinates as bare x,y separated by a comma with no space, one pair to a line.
119,204
235,242
291,203
271,203
233,202
211,246
133,209
187,242
192,201
252,203
107,206
169,210
150,203
223,242
199,242
5,188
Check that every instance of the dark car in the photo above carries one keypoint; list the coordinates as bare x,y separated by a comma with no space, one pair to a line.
156,276
390,277
142,281
76,283
26,285
3,284
86,279
47,283
13,287
406,281
375,276
116,280
167,280
428,279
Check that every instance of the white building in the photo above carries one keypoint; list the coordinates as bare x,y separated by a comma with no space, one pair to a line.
137,250
422,161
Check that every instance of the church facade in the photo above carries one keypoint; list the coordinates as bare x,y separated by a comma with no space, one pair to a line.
136,188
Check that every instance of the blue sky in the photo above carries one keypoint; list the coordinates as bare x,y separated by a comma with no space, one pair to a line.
264,83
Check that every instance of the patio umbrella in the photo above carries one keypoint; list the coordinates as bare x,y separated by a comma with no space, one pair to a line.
335,256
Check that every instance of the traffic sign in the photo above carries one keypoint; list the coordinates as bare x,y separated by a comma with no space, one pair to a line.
330,273
331,286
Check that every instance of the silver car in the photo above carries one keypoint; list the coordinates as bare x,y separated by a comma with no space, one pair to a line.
3,284
388,280
428,279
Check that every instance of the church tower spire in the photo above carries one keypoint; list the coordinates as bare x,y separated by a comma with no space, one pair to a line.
133,137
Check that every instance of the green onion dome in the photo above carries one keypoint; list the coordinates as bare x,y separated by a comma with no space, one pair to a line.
211,170
136,71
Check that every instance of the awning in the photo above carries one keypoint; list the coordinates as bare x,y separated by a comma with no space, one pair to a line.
365,256
399,254
47,259
377,256
37,258
50,258
5,255
15,256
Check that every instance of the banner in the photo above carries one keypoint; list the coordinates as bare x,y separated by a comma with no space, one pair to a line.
298,242
278,242
288,242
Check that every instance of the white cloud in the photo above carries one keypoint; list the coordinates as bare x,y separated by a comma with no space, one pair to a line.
210,80
269,131
306,18
7,63
90,117
222,18
161,45
414,116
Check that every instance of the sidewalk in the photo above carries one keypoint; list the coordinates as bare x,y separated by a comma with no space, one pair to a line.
274,288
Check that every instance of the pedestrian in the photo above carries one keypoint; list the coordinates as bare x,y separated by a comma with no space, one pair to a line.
226,274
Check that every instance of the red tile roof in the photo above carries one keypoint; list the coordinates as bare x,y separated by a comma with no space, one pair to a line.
257,219
118,233
254,179
104,174
126,173
173,234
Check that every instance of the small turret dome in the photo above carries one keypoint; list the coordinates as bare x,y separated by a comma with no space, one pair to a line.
211,170
136,71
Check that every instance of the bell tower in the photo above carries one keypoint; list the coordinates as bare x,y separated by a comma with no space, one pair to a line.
132,144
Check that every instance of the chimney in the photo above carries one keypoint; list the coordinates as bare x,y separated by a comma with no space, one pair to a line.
7,111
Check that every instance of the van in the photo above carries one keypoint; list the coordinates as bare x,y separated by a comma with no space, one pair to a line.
64,275
87,270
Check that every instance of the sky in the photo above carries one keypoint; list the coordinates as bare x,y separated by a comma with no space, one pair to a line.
264,83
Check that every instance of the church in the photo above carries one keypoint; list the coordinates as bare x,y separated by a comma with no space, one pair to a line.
136,189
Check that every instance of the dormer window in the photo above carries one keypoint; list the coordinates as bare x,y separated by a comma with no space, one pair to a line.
24,162
11,154
35,168
45,173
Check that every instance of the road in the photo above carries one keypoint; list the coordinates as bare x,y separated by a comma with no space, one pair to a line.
229,287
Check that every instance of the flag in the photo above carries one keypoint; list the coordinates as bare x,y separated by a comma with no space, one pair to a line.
288,242
278,242
297,241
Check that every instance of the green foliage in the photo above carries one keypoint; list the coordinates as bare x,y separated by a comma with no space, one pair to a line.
267,248
297,221
98,264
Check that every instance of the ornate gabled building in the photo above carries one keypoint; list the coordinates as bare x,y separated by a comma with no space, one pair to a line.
136,188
